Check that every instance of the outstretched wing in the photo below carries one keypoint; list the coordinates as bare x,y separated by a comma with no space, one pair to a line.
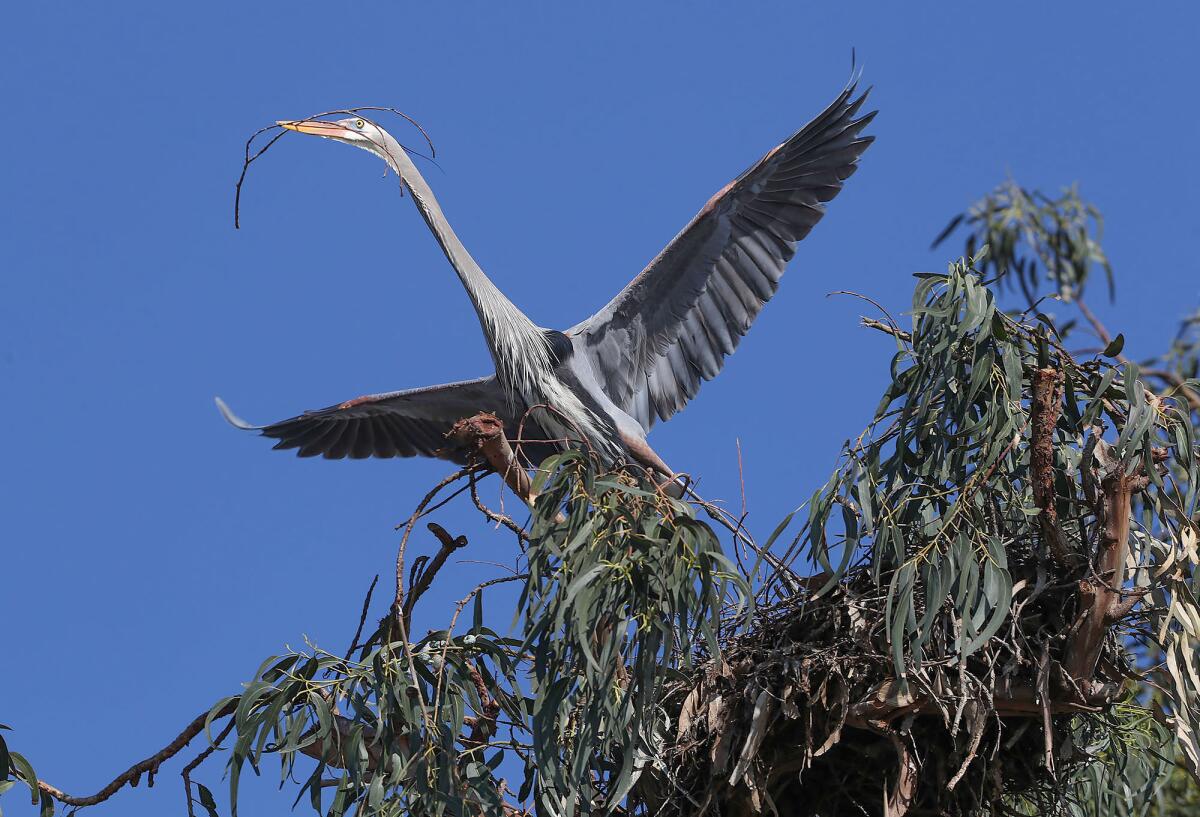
398,424
674,324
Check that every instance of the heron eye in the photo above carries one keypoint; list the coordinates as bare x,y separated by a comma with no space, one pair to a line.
358,123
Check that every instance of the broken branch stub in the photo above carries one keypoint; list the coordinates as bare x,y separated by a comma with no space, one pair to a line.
483,434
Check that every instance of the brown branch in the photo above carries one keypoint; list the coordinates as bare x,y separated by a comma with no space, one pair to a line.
1124,607
483,434
362,618
1100,329
1100,593
887,703
398,600
200,758
1176,382
1044,411
485,725
449,545
319,750
498,518
887,329
134,773
1170,378
897,802
1043,688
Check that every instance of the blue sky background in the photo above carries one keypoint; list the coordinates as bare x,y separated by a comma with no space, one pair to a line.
152,556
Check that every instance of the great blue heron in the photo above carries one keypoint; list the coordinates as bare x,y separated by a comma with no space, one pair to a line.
604,382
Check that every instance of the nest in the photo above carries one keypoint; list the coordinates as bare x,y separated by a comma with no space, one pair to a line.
803,713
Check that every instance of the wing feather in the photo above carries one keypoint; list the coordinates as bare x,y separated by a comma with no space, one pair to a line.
673,326
396,424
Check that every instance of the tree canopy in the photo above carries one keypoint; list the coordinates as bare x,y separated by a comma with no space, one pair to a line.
990,607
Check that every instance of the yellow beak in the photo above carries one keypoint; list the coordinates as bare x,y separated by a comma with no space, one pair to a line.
315,127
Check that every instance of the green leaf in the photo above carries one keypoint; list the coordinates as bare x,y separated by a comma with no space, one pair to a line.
375,792
1114,346
477,613
25,771
207,800
997,590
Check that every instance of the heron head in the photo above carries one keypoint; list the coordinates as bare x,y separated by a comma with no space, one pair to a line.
354,130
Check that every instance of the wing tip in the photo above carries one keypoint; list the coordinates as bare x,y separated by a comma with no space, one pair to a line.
233,419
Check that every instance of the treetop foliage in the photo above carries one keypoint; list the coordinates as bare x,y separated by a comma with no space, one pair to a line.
992,600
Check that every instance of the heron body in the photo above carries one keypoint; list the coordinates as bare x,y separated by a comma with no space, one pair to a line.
604,382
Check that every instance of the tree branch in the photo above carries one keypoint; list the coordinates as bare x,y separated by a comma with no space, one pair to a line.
1170,378
134,773
200,758
484,434
887,329
1100,593
1044,410
887,703
449,545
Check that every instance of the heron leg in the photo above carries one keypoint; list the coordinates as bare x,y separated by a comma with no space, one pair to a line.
647,456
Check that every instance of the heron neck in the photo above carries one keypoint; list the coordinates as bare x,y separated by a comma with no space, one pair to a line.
518,347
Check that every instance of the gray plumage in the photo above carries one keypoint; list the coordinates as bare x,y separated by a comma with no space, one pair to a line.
641,358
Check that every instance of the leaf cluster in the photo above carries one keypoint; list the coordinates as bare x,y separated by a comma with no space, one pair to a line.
1002,615
956,546
1034,239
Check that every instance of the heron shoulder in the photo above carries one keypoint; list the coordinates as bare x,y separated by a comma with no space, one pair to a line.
561,347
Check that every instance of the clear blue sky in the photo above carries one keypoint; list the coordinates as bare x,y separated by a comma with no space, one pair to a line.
152,556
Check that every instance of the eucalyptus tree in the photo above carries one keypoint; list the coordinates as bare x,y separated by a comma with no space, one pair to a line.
989,608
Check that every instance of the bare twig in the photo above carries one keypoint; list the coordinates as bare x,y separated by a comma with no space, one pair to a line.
449,545
458,608
485,725
398,601
200,758
249,159
886,703
1100,329
134,773
894,325
1170,378
1044,411
888,329
483,434
498,518
1176,382
362,619
741,479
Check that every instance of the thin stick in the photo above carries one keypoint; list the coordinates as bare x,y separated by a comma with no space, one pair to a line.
894,331
483,433
398,601
1169,377
237,199
423,582
872,302
362,619
135,772
498,518
200,758
741,478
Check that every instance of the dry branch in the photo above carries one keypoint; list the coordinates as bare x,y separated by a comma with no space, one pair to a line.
133,774
1100,593
449,544
483,434
1044,411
